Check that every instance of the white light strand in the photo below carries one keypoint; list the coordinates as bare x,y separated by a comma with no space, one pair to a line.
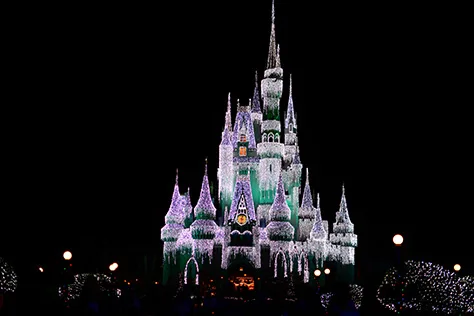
8,277
196,265
426,286
275,264
73,291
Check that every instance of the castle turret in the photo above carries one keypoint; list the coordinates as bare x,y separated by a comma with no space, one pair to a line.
225,173
257,112
279,231
306,212
343,242
174,225
203,229
188,209
245,148
291,137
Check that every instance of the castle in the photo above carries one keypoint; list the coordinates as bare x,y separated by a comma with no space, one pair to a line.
259,230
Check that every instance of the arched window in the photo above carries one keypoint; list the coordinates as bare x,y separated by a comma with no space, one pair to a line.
243,138
270,138
264,137
291,127
277,138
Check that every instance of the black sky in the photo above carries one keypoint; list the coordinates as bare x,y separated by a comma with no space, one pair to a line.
102,103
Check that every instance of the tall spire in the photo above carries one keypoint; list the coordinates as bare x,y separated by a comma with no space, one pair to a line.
256,97
290,115
228,119
175,212
205,209
273,60
307,198
318,231
343,223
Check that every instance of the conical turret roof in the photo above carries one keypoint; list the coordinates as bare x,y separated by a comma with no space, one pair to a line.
343,223
318,231
279,211
175,213
204,208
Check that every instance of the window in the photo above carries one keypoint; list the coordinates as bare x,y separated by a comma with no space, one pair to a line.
277,138
270,137
243,138
264,137
242,151
291,127
270,168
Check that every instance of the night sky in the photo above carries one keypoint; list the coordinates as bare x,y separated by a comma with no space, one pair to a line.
102,104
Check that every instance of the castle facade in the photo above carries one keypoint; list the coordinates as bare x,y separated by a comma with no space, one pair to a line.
264,223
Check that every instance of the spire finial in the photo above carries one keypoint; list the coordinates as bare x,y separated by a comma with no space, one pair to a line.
273,11
291,84
228,102
343,189
205,167
272,52
317,201
307,175
176,182
256,78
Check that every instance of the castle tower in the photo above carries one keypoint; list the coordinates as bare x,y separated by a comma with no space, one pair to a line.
188,209
257,112
245,148
225,173
306,212
204,227
240,225
270,150
291,137
291,161
280,232
174,225
343,242
318,238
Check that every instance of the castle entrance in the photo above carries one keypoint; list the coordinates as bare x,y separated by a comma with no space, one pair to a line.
241,277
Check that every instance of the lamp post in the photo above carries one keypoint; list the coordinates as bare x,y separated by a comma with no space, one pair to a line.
317,274
398,241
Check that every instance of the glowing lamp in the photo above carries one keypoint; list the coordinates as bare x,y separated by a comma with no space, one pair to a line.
317,272
41,269
67,255
327,271
397,239
113,266
457,267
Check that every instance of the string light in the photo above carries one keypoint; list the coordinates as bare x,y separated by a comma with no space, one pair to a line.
73,291
426,286
8,277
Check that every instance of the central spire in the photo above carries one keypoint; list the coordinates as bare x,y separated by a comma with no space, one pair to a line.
228,119
273,60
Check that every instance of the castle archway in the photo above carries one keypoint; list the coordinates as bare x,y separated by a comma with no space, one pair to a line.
241,276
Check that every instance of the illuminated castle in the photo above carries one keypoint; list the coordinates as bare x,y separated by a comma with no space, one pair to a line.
258,225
